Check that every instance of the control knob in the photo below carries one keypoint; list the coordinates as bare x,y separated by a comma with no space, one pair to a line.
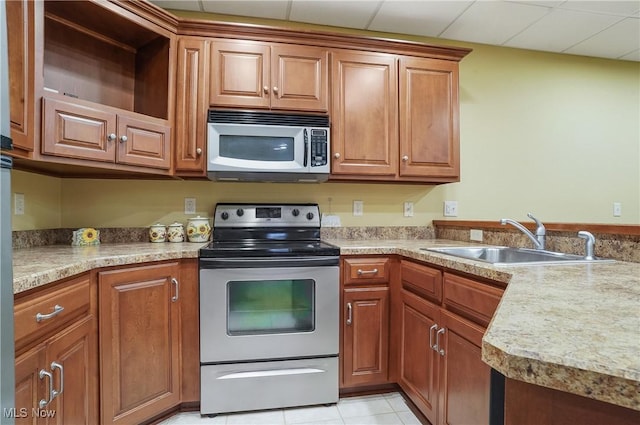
295,212
310,216
224,215
240,212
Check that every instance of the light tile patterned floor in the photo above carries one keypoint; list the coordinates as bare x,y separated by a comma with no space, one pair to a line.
381,409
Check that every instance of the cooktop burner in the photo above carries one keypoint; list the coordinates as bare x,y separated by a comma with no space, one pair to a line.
267,230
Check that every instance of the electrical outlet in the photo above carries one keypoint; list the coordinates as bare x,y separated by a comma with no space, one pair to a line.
18,203
189,205
450,208
408,209
475,235
358,207
617,209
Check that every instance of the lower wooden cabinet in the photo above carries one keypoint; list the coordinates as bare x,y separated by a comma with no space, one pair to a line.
139,342
57,374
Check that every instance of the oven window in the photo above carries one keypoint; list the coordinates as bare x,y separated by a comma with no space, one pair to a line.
270,306
257,148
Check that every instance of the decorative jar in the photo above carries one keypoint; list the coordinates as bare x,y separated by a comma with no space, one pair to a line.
157,233
175,232
198,229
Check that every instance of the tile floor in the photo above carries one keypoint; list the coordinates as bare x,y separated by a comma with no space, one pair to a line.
388,409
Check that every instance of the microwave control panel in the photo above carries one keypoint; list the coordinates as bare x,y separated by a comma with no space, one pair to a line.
319,147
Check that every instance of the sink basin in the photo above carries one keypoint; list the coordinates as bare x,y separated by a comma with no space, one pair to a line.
504,256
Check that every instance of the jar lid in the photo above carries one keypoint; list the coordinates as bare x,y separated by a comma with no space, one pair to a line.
157,225
175,224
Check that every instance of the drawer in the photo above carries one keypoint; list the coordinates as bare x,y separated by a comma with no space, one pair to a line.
469,298
46,310
366,270
422,280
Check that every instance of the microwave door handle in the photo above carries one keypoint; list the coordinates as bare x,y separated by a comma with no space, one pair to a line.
306,148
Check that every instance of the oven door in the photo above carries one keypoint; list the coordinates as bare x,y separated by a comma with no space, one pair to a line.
266,308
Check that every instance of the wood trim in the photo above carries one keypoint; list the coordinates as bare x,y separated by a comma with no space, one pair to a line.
614,229
201,27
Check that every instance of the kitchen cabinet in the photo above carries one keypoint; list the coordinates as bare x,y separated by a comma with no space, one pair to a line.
441,369
57,354
140,341
98,80
253,74
21,75
375,139
365,318
191,106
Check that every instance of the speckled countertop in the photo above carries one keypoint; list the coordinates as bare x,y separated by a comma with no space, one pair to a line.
575,328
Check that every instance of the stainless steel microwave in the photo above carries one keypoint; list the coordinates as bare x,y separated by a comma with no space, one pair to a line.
267,146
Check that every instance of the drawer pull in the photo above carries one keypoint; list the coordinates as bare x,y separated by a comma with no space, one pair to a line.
44,402
361,272
349,314
57,309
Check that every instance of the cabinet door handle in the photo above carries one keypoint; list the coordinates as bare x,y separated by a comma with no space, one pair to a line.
438,349
111,137
405,158
361,272
123,139
336,155
44,402
199,151
431,344
57,309
55,366
175,282
266,89
349,314
275,90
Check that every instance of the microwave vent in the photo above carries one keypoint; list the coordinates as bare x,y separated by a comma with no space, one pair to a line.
266,118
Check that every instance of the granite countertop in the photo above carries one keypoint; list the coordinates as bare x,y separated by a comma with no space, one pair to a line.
575,328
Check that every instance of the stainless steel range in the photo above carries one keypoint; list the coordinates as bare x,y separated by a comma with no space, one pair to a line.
269,308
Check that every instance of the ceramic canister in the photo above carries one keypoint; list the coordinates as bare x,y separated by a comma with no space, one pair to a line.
157,233
198,229
175,232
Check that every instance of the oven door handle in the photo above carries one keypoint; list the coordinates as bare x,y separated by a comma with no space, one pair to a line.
262,262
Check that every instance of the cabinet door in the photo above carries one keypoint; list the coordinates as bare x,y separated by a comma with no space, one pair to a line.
191,106
364,137
30,388
72,130
240,74
429,133
21,82
72,358
464,377
147,144
365,353
419,363
139,342
299,77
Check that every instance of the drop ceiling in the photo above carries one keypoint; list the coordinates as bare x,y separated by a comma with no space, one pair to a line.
606,29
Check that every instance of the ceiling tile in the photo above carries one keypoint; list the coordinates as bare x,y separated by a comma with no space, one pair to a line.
561,29
624,8
548,3
633,56
351,14
178,4
614,42
427,18
493,22
273,9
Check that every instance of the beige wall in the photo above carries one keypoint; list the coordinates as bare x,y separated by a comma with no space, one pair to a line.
557,135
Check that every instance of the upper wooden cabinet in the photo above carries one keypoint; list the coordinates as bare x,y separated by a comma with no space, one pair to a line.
374,139
99,58
268,75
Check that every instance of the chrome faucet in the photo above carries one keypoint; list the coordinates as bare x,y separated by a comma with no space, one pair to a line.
590,240
538,239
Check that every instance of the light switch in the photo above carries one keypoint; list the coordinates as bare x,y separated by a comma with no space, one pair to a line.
18,203
358,207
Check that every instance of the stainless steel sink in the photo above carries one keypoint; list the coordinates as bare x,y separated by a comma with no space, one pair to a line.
505,256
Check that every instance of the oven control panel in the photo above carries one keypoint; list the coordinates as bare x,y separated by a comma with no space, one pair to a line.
267,215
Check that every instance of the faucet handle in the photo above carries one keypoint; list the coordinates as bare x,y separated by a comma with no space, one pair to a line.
590,241
540,230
